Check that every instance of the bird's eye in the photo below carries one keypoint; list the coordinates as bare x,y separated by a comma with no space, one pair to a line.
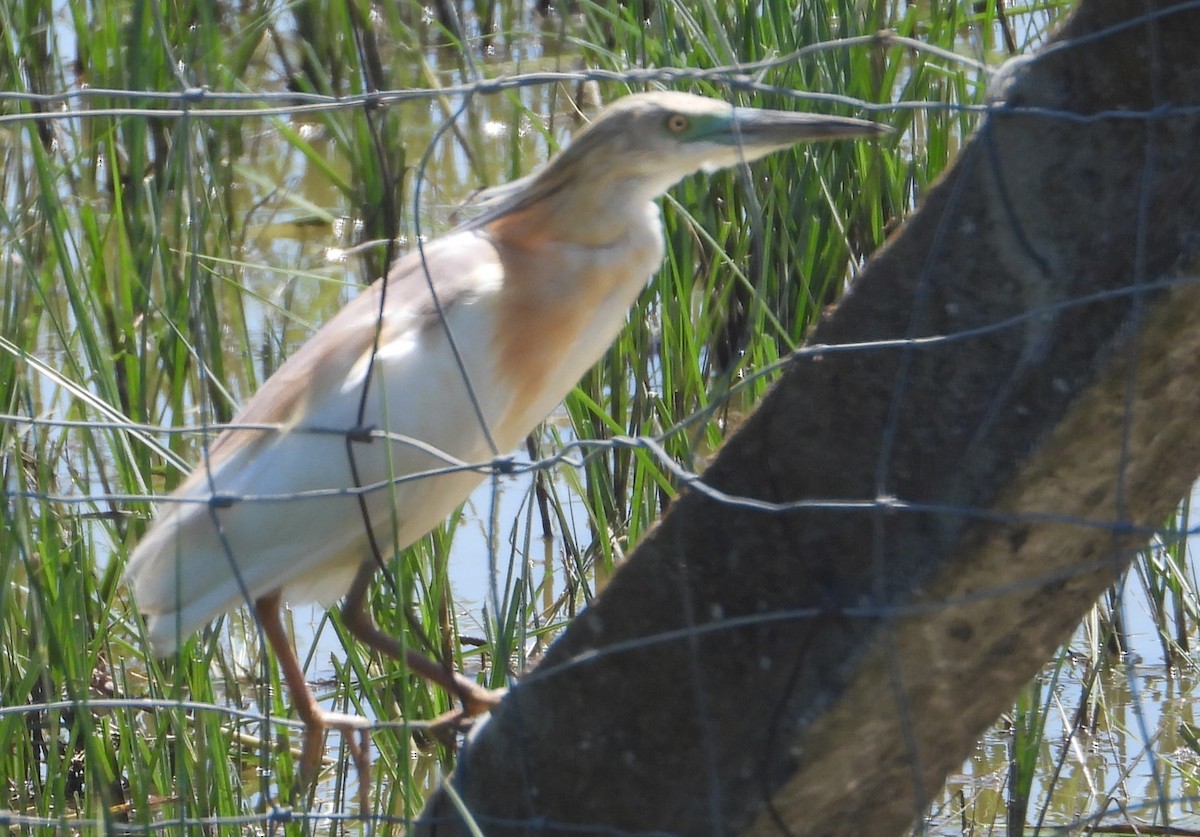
677,123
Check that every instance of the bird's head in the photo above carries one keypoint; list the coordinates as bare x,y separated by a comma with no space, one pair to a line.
642,144
652,140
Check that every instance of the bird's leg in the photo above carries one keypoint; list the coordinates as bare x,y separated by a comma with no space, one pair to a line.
316,720
476,699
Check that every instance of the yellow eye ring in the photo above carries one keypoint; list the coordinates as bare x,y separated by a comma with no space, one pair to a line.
677,123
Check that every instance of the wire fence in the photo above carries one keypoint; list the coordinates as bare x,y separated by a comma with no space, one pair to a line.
69,420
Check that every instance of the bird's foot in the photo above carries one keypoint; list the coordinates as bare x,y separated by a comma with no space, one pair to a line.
476,701
357,733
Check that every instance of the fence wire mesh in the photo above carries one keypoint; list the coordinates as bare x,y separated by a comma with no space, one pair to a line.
169,243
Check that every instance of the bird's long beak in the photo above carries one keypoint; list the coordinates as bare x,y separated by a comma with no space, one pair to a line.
773,129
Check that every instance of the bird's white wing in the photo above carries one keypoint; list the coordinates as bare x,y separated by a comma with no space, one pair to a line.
270,510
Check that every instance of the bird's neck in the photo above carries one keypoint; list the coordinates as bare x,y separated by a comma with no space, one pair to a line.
571,271
558,207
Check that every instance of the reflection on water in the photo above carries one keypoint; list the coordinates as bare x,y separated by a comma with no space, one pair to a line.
1114,746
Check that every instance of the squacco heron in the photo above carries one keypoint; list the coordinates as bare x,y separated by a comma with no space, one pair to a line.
482,334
